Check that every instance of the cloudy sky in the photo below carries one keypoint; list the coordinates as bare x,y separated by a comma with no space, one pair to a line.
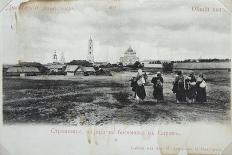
156,29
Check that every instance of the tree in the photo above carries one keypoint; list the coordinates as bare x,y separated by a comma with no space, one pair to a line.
120,64
137,64
80,62
167,66
108,65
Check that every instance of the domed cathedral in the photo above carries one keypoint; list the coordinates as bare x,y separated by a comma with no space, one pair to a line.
90,57
129,57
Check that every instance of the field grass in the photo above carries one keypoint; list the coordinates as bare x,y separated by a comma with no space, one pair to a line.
107,99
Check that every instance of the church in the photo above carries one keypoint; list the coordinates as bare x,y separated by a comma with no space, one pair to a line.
90,57
129,57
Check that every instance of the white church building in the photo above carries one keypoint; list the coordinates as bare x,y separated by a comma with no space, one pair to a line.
129,57
90,56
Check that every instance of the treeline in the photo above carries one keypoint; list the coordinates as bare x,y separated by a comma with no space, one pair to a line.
203,60
155,62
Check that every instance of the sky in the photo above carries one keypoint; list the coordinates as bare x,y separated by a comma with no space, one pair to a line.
155,29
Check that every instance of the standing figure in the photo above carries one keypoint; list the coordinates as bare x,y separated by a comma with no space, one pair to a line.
201,89
158,87
145,76
179,88
134,84
190,86
140,89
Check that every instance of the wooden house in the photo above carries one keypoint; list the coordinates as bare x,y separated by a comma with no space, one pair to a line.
71,70
86,71
22,71
55,68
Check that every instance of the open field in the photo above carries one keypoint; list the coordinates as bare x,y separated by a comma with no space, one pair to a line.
105,99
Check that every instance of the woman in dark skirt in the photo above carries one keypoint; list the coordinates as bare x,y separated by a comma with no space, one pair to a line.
140,89
158,87
134,85
179,88
190,86
140,92
201,89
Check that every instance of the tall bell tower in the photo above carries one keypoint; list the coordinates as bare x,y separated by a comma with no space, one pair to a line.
90,56
55,58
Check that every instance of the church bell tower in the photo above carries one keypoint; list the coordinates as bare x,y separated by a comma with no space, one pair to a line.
55,58
90,56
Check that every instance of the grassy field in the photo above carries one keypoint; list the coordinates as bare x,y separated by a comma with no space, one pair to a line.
107,99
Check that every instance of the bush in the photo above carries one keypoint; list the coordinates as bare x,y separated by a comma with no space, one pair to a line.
136,65
167,66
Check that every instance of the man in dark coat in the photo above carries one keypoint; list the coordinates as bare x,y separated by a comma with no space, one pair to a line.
158,87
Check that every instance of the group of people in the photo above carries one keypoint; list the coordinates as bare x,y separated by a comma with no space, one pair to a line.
191,89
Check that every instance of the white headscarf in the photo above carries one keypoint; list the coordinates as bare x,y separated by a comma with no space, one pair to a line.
140,72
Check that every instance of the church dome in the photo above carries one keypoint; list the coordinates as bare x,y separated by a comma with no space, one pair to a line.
129,57
130,49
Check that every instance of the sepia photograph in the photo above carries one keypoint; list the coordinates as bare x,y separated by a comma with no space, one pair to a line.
115,77
124,62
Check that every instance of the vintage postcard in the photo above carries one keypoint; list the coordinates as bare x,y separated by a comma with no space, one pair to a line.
115,77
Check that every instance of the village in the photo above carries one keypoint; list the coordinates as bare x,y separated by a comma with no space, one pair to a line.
86,92
127,62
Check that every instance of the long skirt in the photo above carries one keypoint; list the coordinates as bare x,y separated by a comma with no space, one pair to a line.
181,95
158,93
201,95
140,92
191,93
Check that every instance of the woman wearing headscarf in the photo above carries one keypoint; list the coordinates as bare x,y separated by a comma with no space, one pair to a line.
158,87
140,89
190,86
134,84
179,88
201,89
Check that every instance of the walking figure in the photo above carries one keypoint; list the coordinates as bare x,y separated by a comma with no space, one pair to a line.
140,89
201,89
179,88
190,86
158,87
134,85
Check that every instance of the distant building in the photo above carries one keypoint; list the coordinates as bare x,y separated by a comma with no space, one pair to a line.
129,57
77,70
62,58
85,71
5,68
22,71
100,64
38,65
55,68
55,58
153,66
71,70
90,57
